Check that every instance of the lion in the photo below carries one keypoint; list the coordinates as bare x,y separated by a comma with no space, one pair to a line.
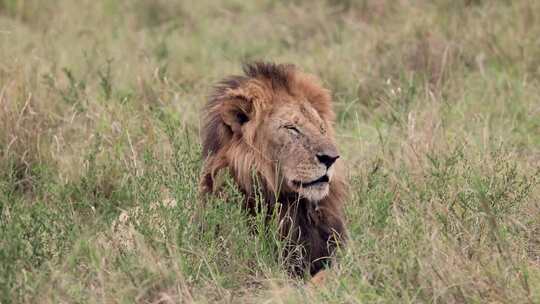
272,129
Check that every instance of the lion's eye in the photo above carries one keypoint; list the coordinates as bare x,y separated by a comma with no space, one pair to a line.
292,128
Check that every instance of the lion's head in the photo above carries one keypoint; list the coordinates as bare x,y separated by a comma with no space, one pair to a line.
276,122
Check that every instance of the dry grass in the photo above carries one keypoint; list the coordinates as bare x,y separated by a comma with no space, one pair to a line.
438,108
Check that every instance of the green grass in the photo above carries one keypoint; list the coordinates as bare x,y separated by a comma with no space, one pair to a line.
438,106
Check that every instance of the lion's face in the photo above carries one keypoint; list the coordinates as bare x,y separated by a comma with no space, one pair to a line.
297,140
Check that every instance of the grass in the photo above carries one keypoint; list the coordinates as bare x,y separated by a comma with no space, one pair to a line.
438,120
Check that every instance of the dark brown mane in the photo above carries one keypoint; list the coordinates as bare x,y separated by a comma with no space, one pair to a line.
215,132
278,75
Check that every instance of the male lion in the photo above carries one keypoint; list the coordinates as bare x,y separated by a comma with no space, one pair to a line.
272,129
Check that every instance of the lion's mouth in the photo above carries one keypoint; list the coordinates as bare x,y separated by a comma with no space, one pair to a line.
320,180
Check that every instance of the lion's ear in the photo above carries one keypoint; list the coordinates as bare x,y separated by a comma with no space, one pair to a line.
236,109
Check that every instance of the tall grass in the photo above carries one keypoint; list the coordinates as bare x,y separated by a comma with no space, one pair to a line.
438,107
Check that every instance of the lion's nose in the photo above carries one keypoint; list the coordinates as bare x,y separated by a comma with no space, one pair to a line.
328,159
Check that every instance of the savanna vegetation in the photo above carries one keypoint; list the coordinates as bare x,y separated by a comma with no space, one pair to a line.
438,107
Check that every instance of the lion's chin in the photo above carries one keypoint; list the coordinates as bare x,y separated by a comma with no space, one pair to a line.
314,193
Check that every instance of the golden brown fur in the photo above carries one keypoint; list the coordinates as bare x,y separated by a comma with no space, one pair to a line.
273,128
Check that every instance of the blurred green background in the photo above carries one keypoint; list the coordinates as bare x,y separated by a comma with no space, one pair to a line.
438,119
